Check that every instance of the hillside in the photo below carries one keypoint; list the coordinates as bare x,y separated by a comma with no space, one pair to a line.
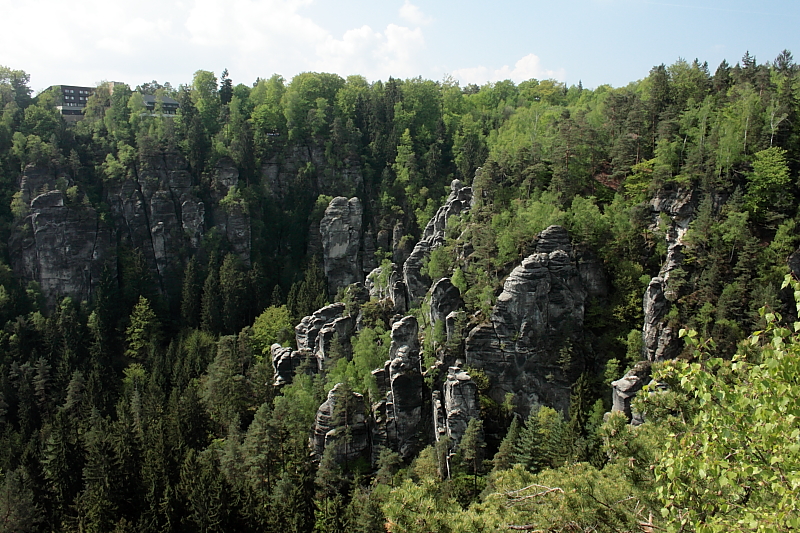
331,305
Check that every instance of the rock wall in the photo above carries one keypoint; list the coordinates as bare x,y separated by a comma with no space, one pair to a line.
660,339
341,423
624,390
62,247
532,344
455,405
417,284
279,173
341,234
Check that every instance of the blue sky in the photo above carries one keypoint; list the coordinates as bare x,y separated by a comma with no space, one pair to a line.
84,42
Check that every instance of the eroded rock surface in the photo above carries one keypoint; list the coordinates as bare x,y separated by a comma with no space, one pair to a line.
340,230
531,345
62,247
660,340
626,388
456,405
341,424
445,298
404,384
417,284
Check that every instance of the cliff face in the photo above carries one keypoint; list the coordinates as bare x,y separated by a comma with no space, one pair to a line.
532,343
660,337
62,247
279,173
340,229
64,244
417,284
341,425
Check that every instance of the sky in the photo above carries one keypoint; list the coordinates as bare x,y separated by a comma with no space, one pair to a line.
595,42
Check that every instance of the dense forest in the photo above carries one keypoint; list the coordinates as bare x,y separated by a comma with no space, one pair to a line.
331,305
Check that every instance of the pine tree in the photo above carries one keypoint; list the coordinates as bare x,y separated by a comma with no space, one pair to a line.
471,449
506,454
191,295
211,317
233,291
143,332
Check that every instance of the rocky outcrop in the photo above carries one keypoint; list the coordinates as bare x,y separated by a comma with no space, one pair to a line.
590,269
62,247
279,173
229,213
148,211
388,285
399,418
660,340
341,425
309,327
532,344
445,298
417,284
626,388
285,362
340,230
455,405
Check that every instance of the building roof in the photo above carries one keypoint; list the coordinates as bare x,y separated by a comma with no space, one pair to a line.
150,100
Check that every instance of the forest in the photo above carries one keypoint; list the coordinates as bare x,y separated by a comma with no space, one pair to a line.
333,305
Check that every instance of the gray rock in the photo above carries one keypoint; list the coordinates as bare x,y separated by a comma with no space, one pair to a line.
193,214
404,397
280,172
340,230
626,388
231,220
341,328
460,402
445,298
660,340
417,284
532,344
593,276
388,286
341,423
63,248
284,363
309,327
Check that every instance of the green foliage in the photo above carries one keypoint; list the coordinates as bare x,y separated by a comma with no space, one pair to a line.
143,332
767,184
734,463
370,352
272,326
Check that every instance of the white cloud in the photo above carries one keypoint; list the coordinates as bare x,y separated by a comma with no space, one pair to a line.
87,41
526,68
413,14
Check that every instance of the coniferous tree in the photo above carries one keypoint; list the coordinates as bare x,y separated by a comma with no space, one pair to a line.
191,295
506,454
143,332
211,319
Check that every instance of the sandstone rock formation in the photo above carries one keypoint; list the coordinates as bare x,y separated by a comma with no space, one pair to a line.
229,212
445,298
63,248
456,404
417,284
341,422
388,285
399,419
531,345
660,339
626,388
340,230
279,173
